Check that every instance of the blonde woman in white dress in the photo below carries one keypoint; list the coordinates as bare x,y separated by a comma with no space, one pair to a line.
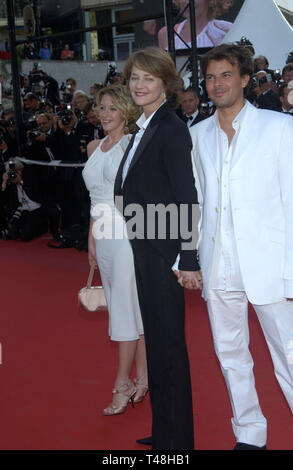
113,254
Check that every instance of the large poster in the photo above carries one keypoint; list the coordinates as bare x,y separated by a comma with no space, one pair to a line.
214,19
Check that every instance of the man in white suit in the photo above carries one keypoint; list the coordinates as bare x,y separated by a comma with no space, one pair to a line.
243,164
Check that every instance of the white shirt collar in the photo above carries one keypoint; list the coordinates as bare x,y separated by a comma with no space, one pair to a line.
286,111
237,120
143,122
193,115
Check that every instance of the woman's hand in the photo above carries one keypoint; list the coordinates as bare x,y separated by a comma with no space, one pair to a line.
92,257
189,279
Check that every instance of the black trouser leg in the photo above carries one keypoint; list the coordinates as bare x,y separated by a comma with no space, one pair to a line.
163,312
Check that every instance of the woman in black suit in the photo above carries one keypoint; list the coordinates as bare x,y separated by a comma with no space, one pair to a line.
156,172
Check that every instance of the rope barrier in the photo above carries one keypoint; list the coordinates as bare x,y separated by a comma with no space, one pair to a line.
57,163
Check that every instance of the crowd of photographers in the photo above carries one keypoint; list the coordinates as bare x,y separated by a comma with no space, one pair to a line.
58,123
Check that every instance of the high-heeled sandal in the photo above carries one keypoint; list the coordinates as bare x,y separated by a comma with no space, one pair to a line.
127,392
141,389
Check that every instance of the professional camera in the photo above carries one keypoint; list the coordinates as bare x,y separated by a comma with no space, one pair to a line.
84,141
112,72
11,171
81,116
278,77
204,108
32,123
33,134
65,88
16,216
36,76
65,113
112,69
266,79
290,58
11,122
244,42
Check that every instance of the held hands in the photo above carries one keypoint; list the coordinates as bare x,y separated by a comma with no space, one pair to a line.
189,279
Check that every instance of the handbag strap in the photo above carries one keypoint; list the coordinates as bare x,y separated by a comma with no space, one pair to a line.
91,276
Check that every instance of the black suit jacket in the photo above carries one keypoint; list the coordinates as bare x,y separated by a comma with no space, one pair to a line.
269,100
161,173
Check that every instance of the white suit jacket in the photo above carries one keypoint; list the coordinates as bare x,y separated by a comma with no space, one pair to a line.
261,192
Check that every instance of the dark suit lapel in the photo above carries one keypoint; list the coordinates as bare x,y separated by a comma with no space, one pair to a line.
149,133
118,180
147,136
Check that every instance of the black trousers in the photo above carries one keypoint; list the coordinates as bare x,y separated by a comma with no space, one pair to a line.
163,313
30,225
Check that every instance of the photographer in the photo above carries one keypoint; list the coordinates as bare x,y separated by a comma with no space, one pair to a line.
37,146
39,79
287,107
25,86
74,198
31,107
95,130
79,103
26,218
8,132
267,98
42,145
51,92
287,72
69,90
113,76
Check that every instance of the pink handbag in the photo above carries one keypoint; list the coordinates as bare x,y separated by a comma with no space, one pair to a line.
92,298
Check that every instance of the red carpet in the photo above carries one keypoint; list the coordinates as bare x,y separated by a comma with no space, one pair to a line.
58,365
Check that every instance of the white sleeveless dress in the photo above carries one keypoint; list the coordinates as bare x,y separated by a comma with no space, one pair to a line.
114,253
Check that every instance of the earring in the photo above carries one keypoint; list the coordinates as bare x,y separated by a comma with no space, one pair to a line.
126,128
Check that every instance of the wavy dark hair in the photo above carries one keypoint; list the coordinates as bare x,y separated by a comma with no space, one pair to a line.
158,63
235,55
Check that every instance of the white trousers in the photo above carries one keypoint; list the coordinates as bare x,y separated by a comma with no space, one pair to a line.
228,312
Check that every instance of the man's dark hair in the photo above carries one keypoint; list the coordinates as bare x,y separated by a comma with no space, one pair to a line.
288,67
191,90
235,55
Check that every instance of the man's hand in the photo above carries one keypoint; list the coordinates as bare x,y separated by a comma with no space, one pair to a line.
189,279
41,138
4,181
3,145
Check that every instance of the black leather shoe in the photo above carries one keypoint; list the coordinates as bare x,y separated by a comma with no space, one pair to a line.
146,441
243,446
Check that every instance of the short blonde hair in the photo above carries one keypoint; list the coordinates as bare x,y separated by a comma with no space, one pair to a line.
121,98
158,63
